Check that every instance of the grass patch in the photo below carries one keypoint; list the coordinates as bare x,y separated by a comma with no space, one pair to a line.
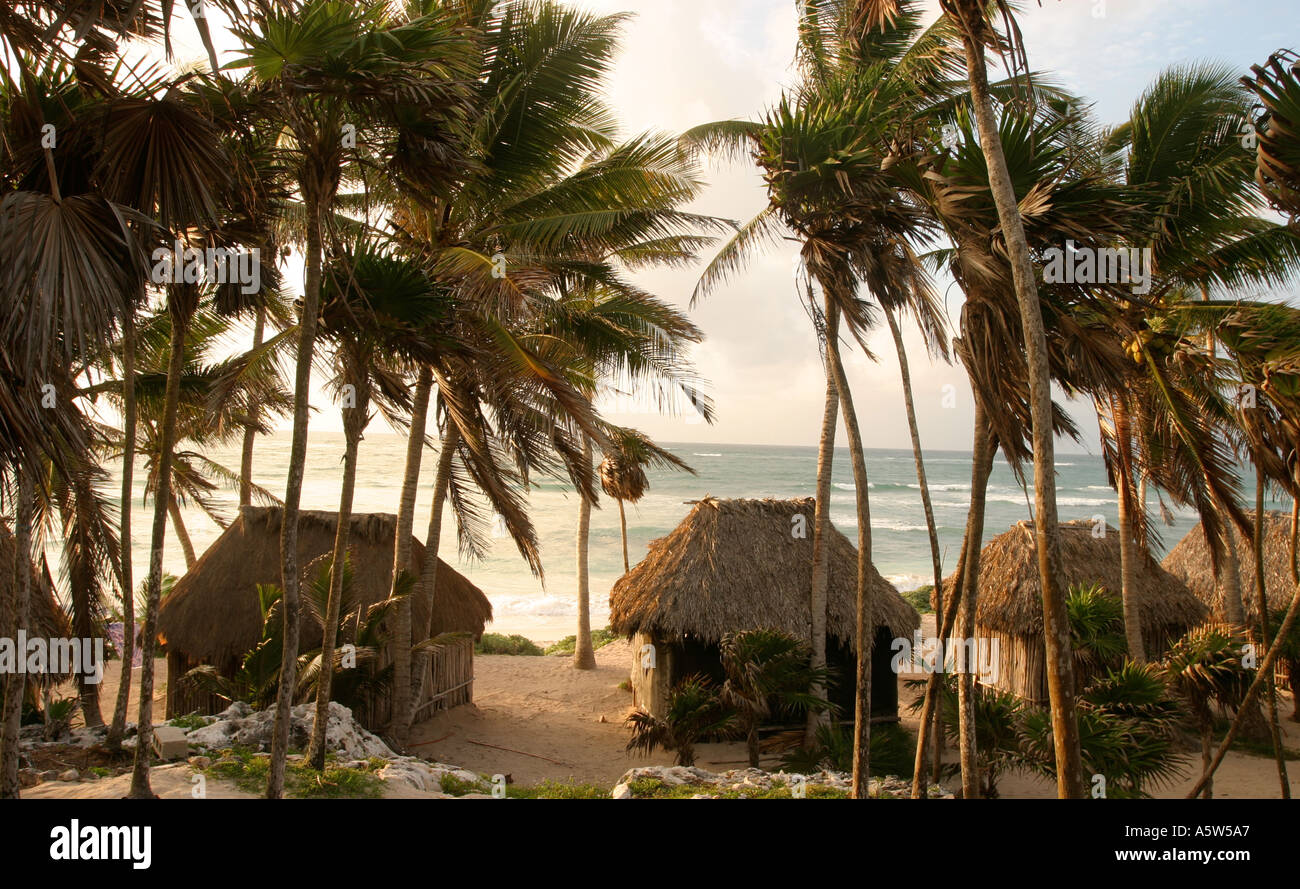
919,598
557,790
496,643
457,787
189,723
653,788
567,645
249,773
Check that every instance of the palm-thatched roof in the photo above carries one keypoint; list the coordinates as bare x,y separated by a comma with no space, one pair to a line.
738,564
1189,561
212,614
1010,594
46,619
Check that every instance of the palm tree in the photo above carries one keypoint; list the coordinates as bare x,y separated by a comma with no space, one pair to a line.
971,17
768,672
1071,198
1204,668
402,86
612,337
695,711
861,90
1277,84
73,507
381,311
1162,421
1261,338
622,472
553,204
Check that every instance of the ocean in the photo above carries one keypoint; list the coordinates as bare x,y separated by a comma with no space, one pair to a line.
545,609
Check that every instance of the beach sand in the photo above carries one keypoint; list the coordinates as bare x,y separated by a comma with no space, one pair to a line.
537,718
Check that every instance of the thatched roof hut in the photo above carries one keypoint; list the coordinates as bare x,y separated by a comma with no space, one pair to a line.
1010,595
46,619
1189,561
212,615
1010,608
736,565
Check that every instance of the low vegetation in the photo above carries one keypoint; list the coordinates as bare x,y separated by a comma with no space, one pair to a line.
653,788
248,770
514,644
567,645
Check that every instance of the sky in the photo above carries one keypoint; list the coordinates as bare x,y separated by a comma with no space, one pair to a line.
687,62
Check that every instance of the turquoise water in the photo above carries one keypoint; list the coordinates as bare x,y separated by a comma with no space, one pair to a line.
545,609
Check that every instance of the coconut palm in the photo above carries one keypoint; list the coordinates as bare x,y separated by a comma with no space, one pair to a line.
622,476
608,337
861,90
1277,84
400,84
380,311
1261,339
1162,422
972,18
1067,195
554,203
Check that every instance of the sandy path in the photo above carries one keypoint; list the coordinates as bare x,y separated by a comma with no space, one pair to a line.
542,706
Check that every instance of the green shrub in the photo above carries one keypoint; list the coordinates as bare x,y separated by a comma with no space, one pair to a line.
653,788
557,790
189,722
892,750
567,645
249,773
496,643
919,598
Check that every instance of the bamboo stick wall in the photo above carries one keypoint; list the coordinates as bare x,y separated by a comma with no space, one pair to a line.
451,684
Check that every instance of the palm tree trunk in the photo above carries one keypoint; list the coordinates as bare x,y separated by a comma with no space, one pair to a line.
140,787
1261,602
1207,729
622,527
936,561
354,423
584,656
1295,542
1229,576
250,432
402,543
290,580
427,589
183,535
821,552
84,626
982,464
929,703
864,626
14,609
1056,625
118,727
1127,557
